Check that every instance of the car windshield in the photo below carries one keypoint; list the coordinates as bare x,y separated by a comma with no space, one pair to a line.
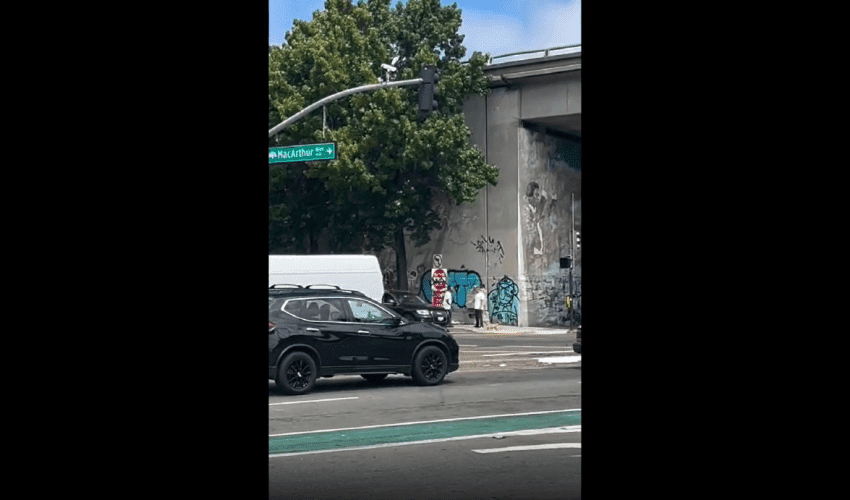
272,303
411,298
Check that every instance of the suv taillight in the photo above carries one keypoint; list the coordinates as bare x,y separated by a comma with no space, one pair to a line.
271,327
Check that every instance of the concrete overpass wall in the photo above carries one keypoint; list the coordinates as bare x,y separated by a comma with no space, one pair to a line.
549,201
513,236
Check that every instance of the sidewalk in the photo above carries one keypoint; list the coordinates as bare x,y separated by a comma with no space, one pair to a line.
496,329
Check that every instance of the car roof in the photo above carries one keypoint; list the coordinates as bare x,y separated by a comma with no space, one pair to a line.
287,290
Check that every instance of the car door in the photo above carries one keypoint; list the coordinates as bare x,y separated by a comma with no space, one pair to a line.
380,333
324,321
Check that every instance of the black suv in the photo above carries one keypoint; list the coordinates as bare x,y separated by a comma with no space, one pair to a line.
413,307
321,332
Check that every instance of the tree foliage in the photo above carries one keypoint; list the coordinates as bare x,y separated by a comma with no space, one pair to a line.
389,163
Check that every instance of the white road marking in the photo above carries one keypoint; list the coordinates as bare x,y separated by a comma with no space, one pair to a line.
561,359
485,369
529,352
311,401
549,430
553,446
494,332
425,422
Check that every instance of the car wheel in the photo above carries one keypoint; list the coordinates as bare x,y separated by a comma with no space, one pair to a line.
373,377
430,366
296,373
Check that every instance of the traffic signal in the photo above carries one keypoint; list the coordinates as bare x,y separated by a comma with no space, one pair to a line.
428,90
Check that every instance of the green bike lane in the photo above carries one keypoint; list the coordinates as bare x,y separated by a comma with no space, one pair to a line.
408,433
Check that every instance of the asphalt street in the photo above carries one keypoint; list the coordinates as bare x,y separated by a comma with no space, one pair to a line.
507,424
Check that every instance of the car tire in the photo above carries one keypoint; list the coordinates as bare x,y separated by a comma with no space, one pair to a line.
375,377
430,366
296,373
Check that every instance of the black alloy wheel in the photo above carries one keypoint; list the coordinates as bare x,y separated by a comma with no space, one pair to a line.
296,374
430,366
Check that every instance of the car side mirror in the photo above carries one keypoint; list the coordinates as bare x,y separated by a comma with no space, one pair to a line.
390,302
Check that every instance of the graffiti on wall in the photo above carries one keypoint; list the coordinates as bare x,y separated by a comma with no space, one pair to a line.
439,284
490,246
503,302
460,282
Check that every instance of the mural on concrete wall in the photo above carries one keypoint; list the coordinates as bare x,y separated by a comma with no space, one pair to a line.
538,215
503,302
460,282
550,199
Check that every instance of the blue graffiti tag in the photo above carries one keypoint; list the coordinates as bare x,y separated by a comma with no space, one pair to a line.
503,302
460,282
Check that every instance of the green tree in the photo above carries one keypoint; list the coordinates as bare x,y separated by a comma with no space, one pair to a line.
389,163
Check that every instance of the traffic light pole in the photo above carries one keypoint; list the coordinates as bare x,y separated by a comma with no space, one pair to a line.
339,95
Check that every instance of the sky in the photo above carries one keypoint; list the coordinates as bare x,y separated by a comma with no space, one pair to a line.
495,26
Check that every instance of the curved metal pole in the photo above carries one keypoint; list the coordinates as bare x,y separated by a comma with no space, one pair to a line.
301,114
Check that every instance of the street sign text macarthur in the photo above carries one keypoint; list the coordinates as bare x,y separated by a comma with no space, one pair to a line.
304,152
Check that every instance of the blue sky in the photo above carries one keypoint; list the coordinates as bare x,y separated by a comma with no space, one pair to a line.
494,26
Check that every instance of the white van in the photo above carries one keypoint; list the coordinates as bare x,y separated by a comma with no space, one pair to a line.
349,272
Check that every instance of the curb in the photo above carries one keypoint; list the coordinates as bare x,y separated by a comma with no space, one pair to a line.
512,330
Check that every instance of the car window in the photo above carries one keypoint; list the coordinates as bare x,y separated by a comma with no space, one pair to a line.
413,299
316,309
367,312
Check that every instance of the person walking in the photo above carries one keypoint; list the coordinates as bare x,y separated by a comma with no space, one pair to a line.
447,305
479,304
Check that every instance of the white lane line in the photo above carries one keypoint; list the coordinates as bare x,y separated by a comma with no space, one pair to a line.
549,430
561,359
311,401
468,361
528,352
553,359
553,446
425,422
486,369
511,348
508,349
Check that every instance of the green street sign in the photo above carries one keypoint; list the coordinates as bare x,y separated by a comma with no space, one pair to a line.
304,152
